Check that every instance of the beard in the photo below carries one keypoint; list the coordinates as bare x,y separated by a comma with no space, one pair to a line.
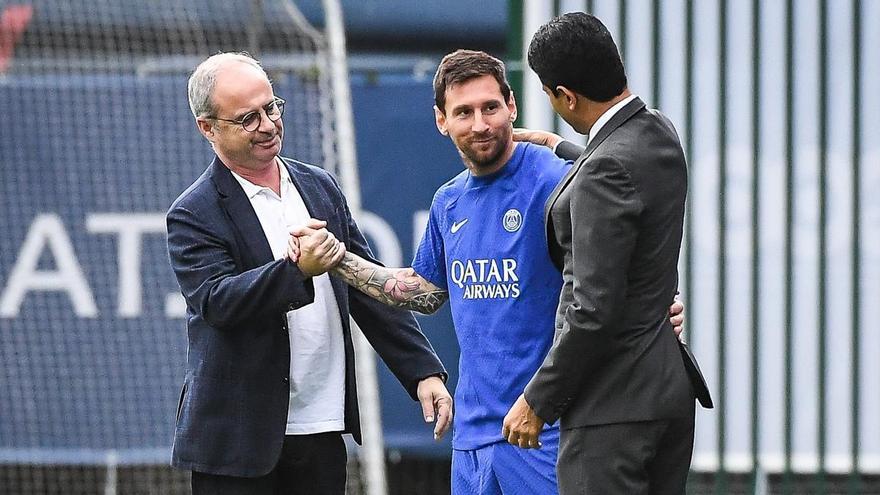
485,151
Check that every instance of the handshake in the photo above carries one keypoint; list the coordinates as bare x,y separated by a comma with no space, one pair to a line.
314,249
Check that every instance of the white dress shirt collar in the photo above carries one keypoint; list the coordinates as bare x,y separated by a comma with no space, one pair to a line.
251,189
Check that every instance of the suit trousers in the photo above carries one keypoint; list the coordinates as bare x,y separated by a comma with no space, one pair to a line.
309,465
644,458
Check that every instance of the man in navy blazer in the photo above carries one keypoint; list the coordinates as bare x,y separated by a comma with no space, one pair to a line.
270,377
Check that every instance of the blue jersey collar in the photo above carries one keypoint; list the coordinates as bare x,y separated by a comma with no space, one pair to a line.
509,168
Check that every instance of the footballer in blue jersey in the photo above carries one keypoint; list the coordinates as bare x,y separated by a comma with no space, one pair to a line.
484,250
484,244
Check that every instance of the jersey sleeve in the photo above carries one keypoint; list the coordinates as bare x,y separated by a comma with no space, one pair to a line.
430,258
549,169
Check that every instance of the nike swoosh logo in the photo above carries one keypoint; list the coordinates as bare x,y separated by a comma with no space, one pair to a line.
458,225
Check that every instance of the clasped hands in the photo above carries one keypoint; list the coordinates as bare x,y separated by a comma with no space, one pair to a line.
314,249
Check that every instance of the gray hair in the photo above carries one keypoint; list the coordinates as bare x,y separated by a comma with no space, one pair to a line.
201,82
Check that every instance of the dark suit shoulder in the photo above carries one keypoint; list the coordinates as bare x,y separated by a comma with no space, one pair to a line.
609,173
608,161
323,179
643,140
299,167
198,193
663,119
647,148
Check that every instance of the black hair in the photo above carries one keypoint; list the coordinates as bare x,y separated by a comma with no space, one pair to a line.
576,50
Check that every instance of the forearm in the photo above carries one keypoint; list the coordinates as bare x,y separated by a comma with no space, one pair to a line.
568,150
398,287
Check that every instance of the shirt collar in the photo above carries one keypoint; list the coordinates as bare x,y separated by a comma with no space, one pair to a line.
286,181
251,189
605,117
509,167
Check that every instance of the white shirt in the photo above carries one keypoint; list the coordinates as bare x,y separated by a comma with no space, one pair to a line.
317,353
605,117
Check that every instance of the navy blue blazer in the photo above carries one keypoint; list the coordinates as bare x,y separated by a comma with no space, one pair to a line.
232,413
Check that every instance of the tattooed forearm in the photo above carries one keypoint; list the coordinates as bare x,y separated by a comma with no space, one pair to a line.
400,287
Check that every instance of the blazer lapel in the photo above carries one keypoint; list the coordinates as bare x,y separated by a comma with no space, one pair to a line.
313,195
616,121
241,214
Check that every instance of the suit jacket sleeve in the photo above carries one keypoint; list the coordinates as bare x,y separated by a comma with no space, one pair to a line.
213,283
604,214
568,150
393,332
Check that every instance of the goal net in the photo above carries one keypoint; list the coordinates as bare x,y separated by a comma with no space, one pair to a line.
97,140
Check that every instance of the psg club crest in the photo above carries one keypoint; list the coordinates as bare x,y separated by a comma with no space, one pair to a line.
512,220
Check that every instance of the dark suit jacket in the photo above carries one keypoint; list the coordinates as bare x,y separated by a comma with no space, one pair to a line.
232,413
614,227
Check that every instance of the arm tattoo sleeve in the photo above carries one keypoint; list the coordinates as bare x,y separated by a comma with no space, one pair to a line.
399,287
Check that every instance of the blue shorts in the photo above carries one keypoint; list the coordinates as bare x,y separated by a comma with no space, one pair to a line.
501,468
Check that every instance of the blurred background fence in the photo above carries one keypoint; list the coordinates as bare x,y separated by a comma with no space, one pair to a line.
776,104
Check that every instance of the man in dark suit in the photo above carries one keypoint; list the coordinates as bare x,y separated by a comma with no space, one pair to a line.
270,377
615,374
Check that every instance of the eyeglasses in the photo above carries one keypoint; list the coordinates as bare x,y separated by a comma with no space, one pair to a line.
251,120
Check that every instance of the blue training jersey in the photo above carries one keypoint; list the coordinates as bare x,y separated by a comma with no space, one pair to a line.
485,244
